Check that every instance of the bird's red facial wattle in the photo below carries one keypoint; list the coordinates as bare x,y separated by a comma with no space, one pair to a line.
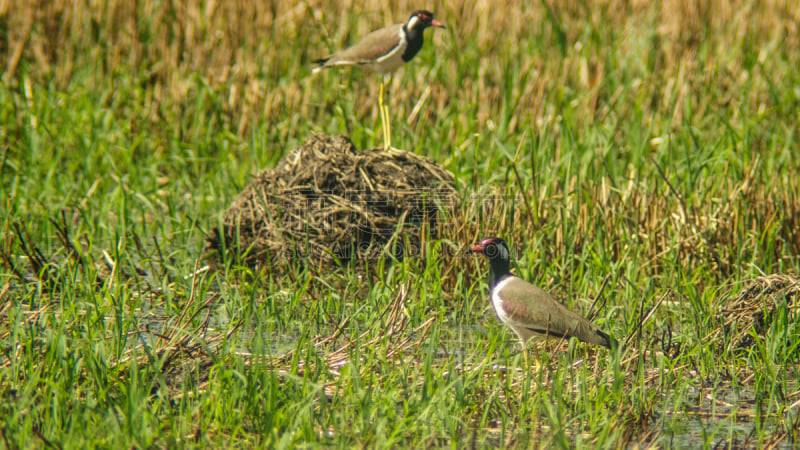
490,246
477,248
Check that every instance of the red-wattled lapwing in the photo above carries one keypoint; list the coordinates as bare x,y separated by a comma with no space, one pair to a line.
384,51
528,310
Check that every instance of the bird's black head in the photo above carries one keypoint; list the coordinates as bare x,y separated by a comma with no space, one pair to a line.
496,250
422,19
492,248
417,23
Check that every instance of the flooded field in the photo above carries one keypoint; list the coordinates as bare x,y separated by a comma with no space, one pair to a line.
207,244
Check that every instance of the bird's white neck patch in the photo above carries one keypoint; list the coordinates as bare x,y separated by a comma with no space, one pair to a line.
497,301
412,22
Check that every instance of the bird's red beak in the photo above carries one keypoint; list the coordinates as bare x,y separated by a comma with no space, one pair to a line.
477,248
436,23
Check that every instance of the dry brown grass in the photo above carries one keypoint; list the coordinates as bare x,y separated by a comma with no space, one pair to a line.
755,221
256,55
749,314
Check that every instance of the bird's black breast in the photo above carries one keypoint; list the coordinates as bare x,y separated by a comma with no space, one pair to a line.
415,39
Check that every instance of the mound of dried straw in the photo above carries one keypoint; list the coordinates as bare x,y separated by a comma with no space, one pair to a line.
753,308
327,203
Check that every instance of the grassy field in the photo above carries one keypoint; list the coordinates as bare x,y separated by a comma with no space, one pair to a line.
639,154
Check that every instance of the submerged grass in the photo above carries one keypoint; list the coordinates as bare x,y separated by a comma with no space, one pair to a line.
639,157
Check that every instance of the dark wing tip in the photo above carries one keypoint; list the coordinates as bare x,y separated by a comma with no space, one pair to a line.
609,342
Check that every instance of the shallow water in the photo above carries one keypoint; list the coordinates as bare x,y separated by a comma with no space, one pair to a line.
724,415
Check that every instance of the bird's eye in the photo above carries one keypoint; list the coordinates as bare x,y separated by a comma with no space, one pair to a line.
490,250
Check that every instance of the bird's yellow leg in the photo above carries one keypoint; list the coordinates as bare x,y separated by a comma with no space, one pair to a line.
388,127
387,131
537,365
383,116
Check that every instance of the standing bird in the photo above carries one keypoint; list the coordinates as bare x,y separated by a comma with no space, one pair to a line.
528,310
384,51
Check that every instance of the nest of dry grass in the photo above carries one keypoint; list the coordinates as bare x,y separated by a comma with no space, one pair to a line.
753,308
327,203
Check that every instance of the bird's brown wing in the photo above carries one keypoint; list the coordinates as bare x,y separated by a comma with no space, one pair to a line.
528,306
370,48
